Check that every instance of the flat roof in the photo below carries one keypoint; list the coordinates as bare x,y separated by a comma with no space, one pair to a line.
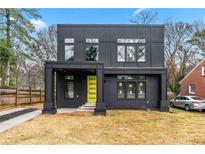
111,25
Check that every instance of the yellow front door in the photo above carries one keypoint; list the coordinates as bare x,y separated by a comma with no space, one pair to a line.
91,89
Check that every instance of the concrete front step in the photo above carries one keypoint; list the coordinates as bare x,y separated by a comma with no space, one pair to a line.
87,107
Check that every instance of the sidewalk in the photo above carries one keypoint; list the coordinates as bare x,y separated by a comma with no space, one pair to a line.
11,122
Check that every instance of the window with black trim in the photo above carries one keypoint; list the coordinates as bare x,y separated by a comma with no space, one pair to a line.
92,49
69,49
131,50
69,86
131,87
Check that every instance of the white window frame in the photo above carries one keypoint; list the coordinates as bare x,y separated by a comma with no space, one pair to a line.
203,70
190,89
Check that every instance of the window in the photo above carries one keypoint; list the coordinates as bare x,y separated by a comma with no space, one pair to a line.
141,53
92,53
69,52
120,40
191,89
121,90
92,40
131,86
69,40
141,90
203,71
120,53
131,77
69,49
131,50
69,86
92,49
131,54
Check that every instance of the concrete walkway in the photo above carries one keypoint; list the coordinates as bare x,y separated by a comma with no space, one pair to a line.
17,120
11,111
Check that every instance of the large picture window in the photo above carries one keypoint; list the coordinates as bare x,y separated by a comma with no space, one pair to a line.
69,86
131,87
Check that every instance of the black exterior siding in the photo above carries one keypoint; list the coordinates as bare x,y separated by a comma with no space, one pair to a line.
107,68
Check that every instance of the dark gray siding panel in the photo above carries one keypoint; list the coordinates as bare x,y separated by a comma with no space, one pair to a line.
144,32
104,53
157,50
157,34
152,91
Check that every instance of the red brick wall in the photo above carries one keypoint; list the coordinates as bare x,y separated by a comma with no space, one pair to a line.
196,79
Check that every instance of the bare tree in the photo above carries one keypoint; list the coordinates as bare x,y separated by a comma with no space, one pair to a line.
145,17
43,48
180,54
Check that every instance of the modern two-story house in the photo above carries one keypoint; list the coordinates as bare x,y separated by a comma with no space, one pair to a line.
114,66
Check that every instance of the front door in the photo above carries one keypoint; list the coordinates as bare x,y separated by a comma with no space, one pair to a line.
91,89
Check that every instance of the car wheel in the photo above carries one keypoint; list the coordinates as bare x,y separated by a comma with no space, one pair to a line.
187,107
171,104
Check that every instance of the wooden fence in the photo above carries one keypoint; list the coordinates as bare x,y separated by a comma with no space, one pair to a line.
21,96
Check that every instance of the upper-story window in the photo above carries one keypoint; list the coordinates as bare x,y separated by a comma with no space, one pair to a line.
92,49
203,71
69,49
121,40
131,50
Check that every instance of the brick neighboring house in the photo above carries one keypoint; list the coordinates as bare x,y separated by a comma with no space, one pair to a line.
194,82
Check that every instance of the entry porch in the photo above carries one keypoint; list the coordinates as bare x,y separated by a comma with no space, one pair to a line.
74,75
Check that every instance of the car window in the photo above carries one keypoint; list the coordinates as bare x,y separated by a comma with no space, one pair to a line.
178,98
185,98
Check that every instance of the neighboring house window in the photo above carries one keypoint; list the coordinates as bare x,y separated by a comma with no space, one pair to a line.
191,89
131,50
69,49
92,49
69,86
131,86
203,71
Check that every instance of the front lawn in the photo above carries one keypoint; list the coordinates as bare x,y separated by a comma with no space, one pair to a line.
118,127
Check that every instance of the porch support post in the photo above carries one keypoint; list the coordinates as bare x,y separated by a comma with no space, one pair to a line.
49,104
163,102
100,105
